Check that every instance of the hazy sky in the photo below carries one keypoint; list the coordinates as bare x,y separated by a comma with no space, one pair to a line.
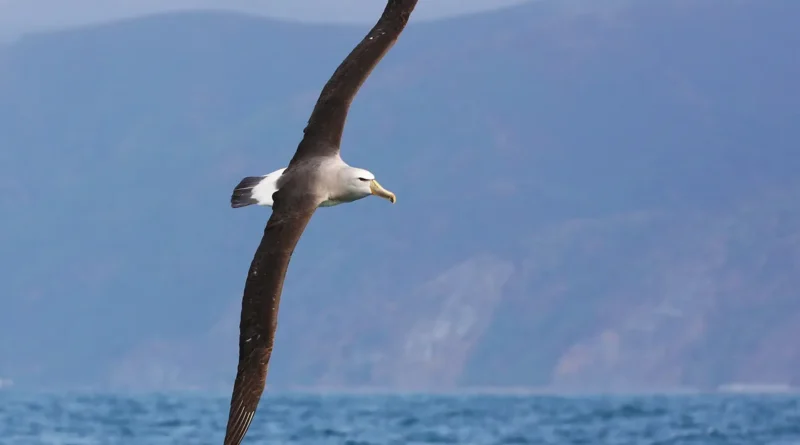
25,15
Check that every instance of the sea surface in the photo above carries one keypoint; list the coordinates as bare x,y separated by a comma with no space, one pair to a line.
163,419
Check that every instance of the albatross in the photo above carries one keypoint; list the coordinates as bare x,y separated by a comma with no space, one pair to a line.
315,177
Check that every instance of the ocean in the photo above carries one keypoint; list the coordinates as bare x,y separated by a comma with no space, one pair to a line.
173,419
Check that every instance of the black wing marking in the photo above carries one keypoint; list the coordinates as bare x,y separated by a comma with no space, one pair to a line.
262,295
323,133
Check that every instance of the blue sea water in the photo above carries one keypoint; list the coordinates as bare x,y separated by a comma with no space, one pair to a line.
416,419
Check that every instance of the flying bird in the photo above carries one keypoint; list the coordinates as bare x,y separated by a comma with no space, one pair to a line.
315,177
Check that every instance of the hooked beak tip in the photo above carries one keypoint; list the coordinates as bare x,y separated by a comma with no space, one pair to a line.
378,190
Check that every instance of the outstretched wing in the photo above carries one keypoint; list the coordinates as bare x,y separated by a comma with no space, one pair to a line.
323,133
262,295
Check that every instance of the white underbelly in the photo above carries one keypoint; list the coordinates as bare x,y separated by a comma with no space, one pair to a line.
330,203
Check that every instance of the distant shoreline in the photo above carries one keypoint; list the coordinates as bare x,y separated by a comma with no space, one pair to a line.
754,389
727,389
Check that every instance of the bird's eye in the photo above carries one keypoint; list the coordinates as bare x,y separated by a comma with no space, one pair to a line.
363,179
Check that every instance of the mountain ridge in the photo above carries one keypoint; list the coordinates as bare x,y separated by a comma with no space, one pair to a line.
600,207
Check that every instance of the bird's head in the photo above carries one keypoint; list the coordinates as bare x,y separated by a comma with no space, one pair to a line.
363,183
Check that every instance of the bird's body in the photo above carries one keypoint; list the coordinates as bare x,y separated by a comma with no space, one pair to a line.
330,179
315,177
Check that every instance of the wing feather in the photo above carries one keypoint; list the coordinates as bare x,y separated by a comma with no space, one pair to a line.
323,134
260,303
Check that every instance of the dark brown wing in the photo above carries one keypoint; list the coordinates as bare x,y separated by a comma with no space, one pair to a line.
262,295
323,133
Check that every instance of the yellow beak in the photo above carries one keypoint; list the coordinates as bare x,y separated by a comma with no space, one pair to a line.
377,190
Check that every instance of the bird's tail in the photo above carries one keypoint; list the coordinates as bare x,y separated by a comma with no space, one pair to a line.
243,193
256,190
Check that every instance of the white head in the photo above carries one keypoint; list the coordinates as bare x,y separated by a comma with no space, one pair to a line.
359,183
